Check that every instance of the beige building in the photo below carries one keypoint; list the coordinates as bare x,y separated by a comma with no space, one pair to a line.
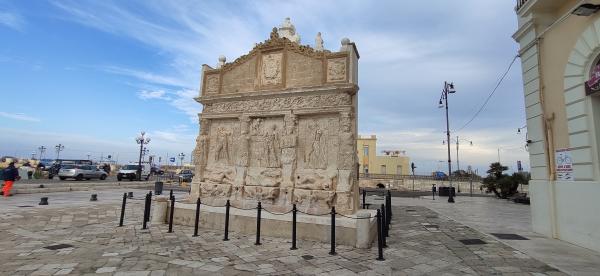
560,50
392,162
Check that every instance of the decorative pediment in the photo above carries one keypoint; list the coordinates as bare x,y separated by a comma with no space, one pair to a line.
273,43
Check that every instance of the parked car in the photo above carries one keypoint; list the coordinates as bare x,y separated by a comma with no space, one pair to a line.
185,176
157,171
130,172
80,172
58,163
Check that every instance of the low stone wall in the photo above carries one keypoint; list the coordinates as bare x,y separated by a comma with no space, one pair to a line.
77,186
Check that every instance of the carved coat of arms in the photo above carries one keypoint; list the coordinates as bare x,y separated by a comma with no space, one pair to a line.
271,68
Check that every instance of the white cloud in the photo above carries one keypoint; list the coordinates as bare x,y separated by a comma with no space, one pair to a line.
12,20
19,116
158,94
145,76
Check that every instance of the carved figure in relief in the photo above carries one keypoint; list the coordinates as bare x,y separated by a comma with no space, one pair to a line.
222,148
315,153
244,141
272,147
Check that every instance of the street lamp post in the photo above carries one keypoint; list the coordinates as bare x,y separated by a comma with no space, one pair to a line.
457,143
141,140
59,148
448,89
181,157
42,149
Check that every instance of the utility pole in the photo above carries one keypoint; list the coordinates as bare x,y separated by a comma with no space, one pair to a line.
457,163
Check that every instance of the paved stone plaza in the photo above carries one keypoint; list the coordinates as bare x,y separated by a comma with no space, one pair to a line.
421,243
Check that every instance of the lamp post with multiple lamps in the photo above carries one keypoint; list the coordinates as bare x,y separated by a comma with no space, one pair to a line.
141,140
42,149
457,143
59,148
181,157
448,89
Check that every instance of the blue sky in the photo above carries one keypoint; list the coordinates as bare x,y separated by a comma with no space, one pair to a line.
92,74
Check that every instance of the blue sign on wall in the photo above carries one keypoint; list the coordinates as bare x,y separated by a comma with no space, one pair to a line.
172,159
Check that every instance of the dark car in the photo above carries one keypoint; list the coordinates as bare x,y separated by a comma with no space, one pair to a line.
185,176
156,171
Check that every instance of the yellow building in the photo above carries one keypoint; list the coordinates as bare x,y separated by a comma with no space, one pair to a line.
392,162
560,53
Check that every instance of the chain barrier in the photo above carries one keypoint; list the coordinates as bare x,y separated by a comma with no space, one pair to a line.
383,218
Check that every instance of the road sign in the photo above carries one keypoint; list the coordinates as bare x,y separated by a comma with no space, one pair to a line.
172,159
519,167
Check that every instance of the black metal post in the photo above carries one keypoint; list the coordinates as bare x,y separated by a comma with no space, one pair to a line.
149,206
171,214
294,227
389,205
383,226
258,210
197,217
226,238
171,194
144,225
332,252
364,198
379,237
123,209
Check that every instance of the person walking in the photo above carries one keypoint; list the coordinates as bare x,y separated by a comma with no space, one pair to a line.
10,175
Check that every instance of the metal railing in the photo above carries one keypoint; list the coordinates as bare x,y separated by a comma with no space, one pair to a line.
416,177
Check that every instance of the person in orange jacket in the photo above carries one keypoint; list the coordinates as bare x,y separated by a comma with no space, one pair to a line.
10,175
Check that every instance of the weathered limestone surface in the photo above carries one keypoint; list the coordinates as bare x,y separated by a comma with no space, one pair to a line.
279,126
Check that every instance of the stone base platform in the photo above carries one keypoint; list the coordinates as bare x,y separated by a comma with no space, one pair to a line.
359,233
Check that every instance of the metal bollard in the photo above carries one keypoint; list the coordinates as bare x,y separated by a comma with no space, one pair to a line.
294,210
94,197
123,209
226,238
364,198
171,193
149,206
171,214
389,205
258,210
130,194
43,201
379,237
145,219
332,252
197,217
383,228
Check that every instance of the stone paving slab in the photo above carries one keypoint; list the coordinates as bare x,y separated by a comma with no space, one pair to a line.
99,247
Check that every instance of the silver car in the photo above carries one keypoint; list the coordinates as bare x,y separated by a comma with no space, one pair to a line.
80,172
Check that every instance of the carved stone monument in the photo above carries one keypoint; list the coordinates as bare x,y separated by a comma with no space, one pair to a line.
279,127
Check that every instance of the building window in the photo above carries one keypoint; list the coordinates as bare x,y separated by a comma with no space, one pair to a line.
399,169
383,169
366,151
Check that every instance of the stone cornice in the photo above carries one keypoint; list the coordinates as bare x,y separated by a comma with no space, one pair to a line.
334,88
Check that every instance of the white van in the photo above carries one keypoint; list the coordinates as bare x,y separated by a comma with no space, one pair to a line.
129,171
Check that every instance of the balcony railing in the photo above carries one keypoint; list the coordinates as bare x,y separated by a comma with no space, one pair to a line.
520,3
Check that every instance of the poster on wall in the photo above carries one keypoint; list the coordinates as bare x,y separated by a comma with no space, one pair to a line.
564,165
592,86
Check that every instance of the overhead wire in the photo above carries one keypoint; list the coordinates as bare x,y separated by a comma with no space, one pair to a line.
490,95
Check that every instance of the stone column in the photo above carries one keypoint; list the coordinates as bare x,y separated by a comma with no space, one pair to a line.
364,237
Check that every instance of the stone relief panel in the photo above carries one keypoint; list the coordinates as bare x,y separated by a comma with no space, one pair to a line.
336,69
212,84
272,69
265,142
280,103
318,143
